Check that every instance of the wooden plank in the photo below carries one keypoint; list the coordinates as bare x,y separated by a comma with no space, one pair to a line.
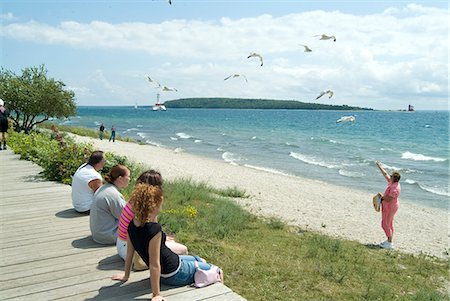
48,252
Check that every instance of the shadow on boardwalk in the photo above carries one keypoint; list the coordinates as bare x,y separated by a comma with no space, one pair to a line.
47,251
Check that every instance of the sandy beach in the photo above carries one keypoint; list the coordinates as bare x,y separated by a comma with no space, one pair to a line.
343,212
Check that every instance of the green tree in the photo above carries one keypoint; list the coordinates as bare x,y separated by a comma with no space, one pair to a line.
33,98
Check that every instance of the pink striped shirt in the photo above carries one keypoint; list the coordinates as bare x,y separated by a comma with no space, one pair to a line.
124,220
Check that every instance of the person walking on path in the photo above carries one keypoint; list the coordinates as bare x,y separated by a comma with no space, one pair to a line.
107,206
4,113
113,134
86,181
389,205
102,130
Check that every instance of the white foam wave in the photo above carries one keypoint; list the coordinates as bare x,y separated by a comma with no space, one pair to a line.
219,149
178,150
323,139
230,158
400,169
153,143
420,157
254,137
173,138
266,169
96,123
183,135
131,129
139,126
350,174
433,189
142,135
197,141
312,160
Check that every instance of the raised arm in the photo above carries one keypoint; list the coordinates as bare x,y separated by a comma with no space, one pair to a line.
383,171
154,250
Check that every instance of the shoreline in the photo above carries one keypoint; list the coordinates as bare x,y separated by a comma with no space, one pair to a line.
326,208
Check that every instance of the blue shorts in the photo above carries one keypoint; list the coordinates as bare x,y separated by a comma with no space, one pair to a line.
185,274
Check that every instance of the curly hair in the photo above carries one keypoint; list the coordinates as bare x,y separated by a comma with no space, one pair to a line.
146,198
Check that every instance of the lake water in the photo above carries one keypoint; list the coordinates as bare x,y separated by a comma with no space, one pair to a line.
302,142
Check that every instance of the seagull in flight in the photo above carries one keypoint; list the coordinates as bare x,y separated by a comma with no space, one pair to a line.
307,49
236,75
169,89
325,37
254,54
158,85
329,92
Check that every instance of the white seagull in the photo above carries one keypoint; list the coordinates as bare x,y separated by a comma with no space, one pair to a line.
236,75
329,92
325,37
346,119
307,49
158,85
169,89
254,54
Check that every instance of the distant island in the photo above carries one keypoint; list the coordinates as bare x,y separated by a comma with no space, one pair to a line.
248,103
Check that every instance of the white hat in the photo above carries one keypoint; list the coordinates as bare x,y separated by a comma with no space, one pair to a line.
1,102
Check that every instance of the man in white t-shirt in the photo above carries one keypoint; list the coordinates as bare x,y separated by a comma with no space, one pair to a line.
86,181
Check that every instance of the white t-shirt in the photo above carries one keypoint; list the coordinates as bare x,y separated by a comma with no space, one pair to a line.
81,192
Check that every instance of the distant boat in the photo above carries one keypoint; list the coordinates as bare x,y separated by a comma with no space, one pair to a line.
410,108
158,106
135,105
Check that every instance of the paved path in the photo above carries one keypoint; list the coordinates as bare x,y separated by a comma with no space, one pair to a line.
47,253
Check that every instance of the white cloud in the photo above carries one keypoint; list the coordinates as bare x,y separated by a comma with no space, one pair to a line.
388,55
7,17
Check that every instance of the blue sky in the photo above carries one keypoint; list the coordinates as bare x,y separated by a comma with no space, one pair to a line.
388,54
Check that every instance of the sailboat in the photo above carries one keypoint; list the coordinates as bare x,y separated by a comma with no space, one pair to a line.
135,105
410,108
158,106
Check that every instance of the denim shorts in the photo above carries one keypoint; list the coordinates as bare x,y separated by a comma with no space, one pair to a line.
185,274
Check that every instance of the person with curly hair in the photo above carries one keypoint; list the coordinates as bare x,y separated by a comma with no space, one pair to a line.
150,177
145,235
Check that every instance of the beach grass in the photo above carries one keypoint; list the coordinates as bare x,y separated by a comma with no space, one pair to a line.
265,259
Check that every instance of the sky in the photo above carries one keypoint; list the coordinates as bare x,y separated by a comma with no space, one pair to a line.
387,54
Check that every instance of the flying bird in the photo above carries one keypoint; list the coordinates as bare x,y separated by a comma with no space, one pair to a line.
325,37
158,85
169,89
346,119
236,75
307,49
329,92
254,54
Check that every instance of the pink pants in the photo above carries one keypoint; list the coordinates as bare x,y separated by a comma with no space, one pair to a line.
388,211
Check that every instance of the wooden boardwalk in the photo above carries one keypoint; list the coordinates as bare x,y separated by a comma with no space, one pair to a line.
47,252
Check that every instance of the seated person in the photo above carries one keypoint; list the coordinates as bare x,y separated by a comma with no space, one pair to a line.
145,235
150,177
107,206
86,181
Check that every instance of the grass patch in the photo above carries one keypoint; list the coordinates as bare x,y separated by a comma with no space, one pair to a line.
264,259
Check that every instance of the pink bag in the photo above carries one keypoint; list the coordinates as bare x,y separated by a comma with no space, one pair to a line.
204,278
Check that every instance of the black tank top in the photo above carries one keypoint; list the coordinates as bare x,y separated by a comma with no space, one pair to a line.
140,238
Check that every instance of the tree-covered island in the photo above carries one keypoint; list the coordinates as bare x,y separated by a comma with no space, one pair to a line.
246,103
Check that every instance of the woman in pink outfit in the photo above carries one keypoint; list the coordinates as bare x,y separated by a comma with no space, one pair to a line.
389,205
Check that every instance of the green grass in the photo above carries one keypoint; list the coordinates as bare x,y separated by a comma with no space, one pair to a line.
82,131
265,259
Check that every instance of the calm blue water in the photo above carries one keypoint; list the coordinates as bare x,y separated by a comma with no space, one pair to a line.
300,142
